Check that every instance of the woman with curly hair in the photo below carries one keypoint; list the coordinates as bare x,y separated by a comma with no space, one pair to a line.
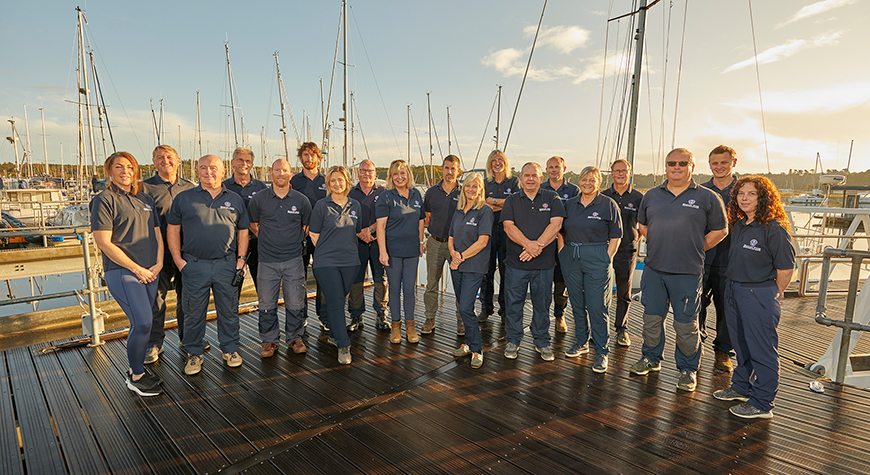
761,263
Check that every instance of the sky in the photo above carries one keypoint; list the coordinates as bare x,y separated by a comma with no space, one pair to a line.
701,84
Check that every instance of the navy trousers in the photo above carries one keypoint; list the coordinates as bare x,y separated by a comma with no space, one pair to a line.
335,284
135,299
497,253
402,278
202,276
623,271
465,286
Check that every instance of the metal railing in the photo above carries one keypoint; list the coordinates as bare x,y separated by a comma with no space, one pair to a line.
847,324
92,324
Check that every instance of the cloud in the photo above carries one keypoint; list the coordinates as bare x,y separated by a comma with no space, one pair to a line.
815,9
563,39
790,48
830,98
595,66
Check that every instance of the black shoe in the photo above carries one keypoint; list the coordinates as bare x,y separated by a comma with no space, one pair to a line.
144,386
382,324
356,323
324,325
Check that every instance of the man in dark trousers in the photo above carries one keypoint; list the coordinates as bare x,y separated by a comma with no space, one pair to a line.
564,190
312,184
163,187
722,161
245,185
628,199
215,222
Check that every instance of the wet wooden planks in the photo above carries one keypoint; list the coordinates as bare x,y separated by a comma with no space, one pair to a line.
413,408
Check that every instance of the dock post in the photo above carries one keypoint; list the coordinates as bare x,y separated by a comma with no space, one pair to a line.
96,315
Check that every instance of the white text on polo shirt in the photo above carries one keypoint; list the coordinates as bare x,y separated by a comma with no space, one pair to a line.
691,204
594,215
751,246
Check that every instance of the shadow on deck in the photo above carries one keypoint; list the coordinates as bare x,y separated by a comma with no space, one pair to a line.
415,408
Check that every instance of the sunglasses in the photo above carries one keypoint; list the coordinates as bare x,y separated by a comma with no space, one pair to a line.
682,163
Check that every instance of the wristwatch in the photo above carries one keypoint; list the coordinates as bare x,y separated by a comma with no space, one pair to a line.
244,258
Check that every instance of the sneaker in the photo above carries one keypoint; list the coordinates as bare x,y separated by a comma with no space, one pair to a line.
331,341
688,380
723,361
268,350
344,355
748,411
194,364
644,366
152,377
729,394
476,360
234,360
382,324
298,346
511,351
461,351
546,353
600,365
577,350
153,354
324,325
144,386
355,324
622,338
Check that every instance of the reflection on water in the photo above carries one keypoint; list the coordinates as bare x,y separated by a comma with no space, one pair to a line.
18,288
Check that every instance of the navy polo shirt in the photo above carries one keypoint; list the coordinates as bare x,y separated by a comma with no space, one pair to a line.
441,205
718,256
403,221
758,250
565,191
281,222
532,217
367,203
628,203
466,229
337,227
501,191
210,223
676,226
163,193
598,222
132,220
314,189
246,192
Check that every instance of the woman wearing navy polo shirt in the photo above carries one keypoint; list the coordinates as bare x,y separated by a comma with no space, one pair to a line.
127,231
468,243
760,266
399,213
335,222
592,229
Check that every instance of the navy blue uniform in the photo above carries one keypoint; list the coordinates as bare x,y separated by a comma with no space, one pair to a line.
625,259
315,190
565,191
247,192
715,263
369,256
465,230
752,308
402,244
498,246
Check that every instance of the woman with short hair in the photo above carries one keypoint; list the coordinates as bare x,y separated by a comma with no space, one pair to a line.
335,222
400,216
468,243
592,231
127,231
760,267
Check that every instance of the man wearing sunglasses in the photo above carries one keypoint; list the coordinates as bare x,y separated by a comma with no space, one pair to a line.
680,221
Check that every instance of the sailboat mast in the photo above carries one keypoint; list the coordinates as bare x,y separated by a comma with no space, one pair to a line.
81,131
497,118
97,102
44,144
350,113
27,150
232,96
281,100
198,126
429,113
12,139
409,135
449,152
346,99
86,92
635,84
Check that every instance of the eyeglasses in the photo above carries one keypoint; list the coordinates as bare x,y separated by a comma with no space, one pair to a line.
363,170
682,163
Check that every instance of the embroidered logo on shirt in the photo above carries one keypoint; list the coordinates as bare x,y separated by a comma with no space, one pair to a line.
293,210
228,205
691,204
507,191
544,207
752,245
471,222
147,207
566,195
594,215
416,204
353,213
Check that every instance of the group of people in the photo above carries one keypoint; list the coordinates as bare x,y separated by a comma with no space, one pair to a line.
550,240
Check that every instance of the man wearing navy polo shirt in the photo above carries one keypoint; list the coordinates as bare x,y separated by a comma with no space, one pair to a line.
246,186
565,191
628,200
311,184
531,217
439,204
674,217
722,161
163,187
215,222
279,218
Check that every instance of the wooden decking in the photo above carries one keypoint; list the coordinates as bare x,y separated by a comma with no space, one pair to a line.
416,409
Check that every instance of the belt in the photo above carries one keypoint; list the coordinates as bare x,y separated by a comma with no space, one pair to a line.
438,238
576,246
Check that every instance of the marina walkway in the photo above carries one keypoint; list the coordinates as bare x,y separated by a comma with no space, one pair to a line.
416,409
